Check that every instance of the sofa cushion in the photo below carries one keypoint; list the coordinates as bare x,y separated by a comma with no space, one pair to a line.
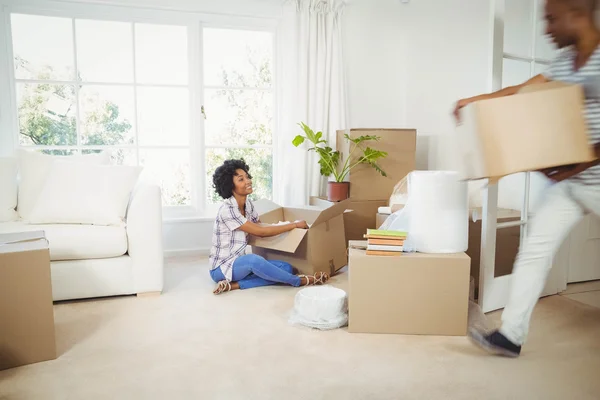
76,193
8,189
77,242
33,172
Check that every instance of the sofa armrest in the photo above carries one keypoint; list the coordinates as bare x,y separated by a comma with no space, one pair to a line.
145,238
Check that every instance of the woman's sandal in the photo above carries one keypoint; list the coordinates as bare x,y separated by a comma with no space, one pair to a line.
319,279
222,287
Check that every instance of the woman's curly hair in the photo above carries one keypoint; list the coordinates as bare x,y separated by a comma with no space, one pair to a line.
223,176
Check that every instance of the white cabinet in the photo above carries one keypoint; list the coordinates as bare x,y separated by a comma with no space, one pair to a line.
584,251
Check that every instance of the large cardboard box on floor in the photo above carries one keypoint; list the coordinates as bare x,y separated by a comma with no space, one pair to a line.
26,309
415,293
359,216
542,126
320,248
365,182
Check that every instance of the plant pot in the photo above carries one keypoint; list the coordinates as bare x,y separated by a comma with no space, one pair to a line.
337,191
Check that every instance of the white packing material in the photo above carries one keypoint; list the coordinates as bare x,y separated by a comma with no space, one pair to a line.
436,214
384,210
320,307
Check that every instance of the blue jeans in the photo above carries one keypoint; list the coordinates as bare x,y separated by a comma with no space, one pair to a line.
251,271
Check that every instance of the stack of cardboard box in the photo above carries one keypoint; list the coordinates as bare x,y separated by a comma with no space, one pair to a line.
368,189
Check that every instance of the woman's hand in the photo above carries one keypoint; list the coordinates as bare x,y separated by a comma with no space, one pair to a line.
301,224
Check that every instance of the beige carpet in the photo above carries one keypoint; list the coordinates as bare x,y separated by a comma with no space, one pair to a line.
189,344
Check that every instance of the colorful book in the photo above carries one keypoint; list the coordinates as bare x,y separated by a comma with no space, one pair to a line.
375,247
386,242
383,234
380,232
383,253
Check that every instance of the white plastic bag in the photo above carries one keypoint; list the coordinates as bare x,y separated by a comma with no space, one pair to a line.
435,214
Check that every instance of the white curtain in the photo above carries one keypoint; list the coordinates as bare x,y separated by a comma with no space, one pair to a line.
312,90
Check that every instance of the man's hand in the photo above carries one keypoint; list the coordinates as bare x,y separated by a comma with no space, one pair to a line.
459,105
558,174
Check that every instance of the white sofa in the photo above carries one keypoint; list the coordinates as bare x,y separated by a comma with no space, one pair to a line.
101,260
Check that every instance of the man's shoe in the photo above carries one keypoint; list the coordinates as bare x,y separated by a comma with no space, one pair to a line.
495,343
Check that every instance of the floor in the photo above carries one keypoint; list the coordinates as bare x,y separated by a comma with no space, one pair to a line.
189,344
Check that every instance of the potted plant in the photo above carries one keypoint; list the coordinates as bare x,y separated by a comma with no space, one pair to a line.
338,188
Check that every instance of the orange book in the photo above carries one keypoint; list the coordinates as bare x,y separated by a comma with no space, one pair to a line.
383,253
387,242
382,237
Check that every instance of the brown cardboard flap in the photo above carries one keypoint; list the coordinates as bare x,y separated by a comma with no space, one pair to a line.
333,211
287,242
22,241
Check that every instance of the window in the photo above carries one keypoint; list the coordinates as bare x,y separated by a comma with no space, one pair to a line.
84,86
238,104
145,92
527,52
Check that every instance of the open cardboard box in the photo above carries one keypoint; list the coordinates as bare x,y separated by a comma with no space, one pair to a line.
322,247
359,216
542,126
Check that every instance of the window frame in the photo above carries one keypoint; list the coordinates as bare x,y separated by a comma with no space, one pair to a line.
493,291
195,22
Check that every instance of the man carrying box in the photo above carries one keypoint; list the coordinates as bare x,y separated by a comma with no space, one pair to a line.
576,191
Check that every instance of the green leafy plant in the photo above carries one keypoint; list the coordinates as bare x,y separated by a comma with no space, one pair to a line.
329,159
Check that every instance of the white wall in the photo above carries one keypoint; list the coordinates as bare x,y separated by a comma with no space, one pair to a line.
250,8
408,63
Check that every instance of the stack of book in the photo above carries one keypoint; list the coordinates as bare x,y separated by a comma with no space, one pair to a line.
384,243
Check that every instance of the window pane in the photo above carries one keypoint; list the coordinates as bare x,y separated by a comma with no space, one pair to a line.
260,162
46,114
106,115
544,47
242,117
515,72
43,47
171,168
163,116
161,54
246,63
104,51
118,156
518,27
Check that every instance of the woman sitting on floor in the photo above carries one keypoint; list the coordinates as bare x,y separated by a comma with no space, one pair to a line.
231,268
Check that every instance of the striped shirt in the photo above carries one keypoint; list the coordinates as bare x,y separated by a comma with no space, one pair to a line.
563,69
228,241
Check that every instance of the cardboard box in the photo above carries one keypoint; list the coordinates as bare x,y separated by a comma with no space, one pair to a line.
415,293
26,309
365,182
320,248
380,219
359,216
542,126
